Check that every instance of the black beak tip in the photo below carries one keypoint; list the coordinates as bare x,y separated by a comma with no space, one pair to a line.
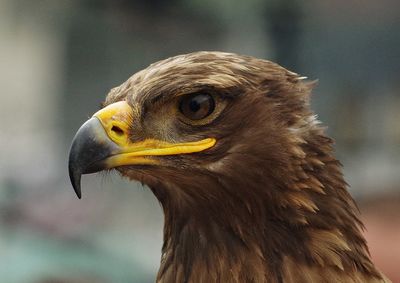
90,146
78,192
75,178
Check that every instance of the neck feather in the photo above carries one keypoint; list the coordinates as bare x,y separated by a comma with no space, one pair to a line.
265,231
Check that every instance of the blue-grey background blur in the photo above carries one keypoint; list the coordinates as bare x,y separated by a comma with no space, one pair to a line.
58,59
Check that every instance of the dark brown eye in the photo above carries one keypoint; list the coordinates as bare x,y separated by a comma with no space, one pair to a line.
197,106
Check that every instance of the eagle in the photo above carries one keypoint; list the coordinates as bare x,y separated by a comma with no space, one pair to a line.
243,170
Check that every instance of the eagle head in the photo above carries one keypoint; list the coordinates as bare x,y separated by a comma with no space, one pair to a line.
243,170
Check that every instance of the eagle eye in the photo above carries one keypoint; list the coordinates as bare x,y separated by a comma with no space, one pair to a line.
197,106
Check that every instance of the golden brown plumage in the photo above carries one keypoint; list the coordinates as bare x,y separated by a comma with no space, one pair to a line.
266,203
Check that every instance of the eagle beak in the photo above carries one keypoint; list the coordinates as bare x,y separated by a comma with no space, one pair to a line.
103,142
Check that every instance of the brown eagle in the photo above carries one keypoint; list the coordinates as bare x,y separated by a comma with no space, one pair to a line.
245,174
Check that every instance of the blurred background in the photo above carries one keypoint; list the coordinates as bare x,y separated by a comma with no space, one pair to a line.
58,60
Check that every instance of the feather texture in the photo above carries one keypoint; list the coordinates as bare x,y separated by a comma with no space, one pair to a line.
268,203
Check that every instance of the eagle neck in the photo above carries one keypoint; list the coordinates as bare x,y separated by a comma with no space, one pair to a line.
206,250
241,231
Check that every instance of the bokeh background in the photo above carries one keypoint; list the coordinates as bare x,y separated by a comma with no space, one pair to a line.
58,59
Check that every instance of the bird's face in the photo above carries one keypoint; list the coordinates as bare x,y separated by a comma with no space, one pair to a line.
244,173
181,119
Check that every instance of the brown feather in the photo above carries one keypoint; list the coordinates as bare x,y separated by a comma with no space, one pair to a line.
268,202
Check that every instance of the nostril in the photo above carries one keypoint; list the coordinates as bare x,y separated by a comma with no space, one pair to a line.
117,130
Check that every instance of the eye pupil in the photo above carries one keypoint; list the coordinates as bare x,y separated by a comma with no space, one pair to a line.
194,106
197,106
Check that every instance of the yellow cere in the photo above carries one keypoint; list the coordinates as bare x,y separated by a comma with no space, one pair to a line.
116,119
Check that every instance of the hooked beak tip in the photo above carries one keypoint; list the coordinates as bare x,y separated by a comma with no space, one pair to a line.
75,178
89,148
78,192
